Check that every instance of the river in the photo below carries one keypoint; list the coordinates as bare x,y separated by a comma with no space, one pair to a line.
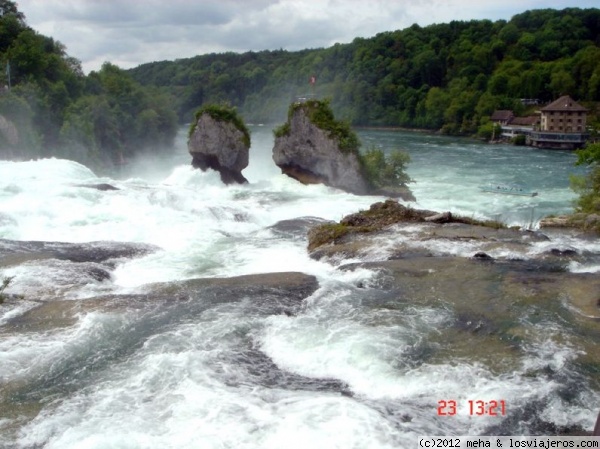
334,370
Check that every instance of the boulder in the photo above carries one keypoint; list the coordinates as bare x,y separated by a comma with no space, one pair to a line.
102,186
221,145
313,155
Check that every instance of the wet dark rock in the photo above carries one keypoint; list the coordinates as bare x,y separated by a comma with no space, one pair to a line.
476,324
563,252
444,217
536,236
13,252
267,294
489,290
480,255
102,187
297,227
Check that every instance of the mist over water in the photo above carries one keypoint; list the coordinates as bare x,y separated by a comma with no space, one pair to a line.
354,366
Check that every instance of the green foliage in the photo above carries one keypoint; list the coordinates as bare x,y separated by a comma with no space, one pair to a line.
447,76
282,130
328,233
386,171
519,140
589,155
222,113
99,119
588,186
489,131
320,114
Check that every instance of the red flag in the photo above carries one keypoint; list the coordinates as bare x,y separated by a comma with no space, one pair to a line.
313,80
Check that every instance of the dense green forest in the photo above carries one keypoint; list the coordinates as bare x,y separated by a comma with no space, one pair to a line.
448,76
50,108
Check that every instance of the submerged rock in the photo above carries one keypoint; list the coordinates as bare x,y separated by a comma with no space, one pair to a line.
220,141
270,293
102,186
13,252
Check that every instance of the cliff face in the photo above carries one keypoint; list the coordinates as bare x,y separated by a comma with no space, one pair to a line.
221,146
310,155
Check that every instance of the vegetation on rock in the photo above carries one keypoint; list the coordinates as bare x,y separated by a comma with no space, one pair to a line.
320,114
379,216
379,170
222,113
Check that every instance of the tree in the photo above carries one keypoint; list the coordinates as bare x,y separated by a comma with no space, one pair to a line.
588,187
9,8
386,171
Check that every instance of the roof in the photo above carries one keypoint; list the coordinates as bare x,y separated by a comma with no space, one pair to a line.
530,120
564,103
502,115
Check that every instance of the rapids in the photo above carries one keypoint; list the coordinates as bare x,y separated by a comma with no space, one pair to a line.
129,351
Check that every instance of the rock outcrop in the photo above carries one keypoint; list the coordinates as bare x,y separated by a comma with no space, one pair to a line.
220,143
471,264
381,216
313,155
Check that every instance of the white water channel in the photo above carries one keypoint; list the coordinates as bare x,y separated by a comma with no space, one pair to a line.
182,380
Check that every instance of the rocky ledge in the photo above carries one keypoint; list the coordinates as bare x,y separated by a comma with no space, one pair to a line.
452,255
381,216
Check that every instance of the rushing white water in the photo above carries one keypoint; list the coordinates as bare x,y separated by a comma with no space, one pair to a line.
339,374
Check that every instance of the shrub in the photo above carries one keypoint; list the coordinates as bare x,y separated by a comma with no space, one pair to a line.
519,140
388,171
588,187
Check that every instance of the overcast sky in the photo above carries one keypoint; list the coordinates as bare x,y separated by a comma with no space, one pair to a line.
131,32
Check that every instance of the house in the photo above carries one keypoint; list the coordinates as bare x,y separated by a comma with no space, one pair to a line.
502,117
563,115
520,125
562,125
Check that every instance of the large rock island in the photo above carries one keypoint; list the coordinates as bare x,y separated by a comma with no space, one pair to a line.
313,148
219,140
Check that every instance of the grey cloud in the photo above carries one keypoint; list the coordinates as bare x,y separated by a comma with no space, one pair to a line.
132,32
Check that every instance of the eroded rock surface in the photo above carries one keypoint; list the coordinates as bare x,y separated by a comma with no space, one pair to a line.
221,146
311,155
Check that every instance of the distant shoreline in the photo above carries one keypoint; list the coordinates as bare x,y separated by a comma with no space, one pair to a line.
395,128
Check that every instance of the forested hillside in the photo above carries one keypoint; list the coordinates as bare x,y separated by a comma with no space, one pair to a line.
447,76
48,107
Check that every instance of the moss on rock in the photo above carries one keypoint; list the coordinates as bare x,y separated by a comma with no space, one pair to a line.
320,114
381,215
222,113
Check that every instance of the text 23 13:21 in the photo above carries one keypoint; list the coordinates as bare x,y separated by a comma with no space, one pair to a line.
476,408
